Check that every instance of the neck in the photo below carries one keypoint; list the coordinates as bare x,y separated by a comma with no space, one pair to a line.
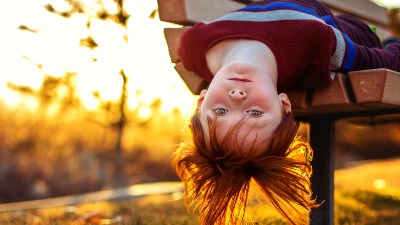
242,50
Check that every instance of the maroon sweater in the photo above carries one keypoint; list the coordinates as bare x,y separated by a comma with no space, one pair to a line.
307,40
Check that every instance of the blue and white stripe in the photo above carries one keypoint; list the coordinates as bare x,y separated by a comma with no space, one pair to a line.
287,11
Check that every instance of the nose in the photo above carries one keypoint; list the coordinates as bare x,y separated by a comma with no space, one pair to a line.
237,94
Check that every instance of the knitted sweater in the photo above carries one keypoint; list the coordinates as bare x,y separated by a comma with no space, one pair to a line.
308,41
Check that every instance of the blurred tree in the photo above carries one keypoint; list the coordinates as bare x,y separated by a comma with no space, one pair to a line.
117,119
55,96
115,111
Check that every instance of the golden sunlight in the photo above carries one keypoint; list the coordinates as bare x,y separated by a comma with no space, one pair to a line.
50,45
388,3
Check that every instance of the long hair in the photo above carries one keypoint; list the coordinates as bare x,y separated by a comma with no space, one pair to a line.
217,179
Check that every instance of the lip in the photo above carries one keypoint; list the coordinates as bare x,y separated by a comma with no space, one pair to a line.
240,80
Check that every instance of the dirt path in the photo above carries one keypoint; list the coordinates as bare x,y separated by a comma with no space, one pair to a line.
120,193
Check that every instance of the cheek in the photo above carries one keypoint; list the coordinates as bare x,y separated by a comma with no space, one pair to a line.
266,103
215,97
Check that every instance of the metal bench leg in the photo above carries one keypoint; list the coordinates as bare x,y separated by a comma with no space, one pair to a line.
322,141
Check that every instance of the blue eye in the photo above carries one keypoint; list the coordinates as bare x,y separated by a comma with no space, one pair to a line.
254,112
220,111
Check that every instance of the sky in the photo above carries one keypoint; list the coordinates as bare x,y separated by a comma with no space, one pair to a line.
144,58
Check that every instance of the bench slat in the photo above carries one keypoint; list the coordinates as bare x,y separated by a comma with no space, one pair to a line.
376,88
363,9
188,12
192,81
338,93
172,37
337,97
298,98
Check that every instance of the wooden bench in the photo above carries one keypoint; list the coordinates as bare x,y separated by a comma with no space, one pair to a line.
368,93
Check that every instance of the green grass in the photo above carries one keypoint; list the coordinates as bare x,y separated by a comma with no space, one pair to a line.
368,194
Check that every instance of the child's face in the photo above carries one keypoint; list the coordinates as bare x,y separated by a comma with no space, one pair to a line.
241,91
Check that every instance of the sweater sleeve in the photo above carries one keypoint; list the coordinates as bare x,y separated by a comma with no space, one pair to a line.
350,56
371,58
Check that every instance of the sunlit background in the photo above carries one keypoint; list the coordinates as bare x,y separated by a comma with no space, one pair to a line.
388,3
51,44
86,87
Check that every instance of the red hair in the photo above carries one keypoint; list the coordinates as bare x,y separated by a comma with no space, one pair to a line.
217,176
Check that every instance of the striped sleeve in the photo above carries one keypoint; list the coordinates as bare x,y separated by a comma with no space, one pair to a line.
371,58
350,56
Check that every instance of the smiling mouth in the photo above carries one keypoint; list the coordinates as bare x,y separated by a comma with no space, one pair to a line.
239,80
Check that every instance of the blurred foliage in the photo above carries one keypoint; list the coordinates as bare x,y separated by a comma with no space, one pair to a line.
62,148
56,94
363,139
394,15
48,156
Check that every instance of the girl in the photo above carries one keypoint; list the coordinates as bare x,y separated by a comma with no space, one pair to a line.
242,137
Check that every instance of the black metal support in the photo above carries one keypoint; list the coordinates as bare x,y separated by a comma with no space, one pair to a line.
322,141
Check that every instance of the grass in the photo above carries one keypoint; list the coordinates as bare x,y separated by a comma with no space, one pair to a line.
366,194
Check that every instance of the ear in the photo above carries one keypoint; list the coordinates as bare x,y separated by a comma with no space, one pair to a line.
201,98
286,106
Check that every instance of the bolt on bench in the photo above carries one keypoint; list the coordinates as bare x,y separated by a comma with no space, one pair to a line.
370,93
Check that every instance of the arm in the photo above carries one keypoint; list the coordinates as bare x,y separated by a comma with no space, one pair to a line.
349,56
371,58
